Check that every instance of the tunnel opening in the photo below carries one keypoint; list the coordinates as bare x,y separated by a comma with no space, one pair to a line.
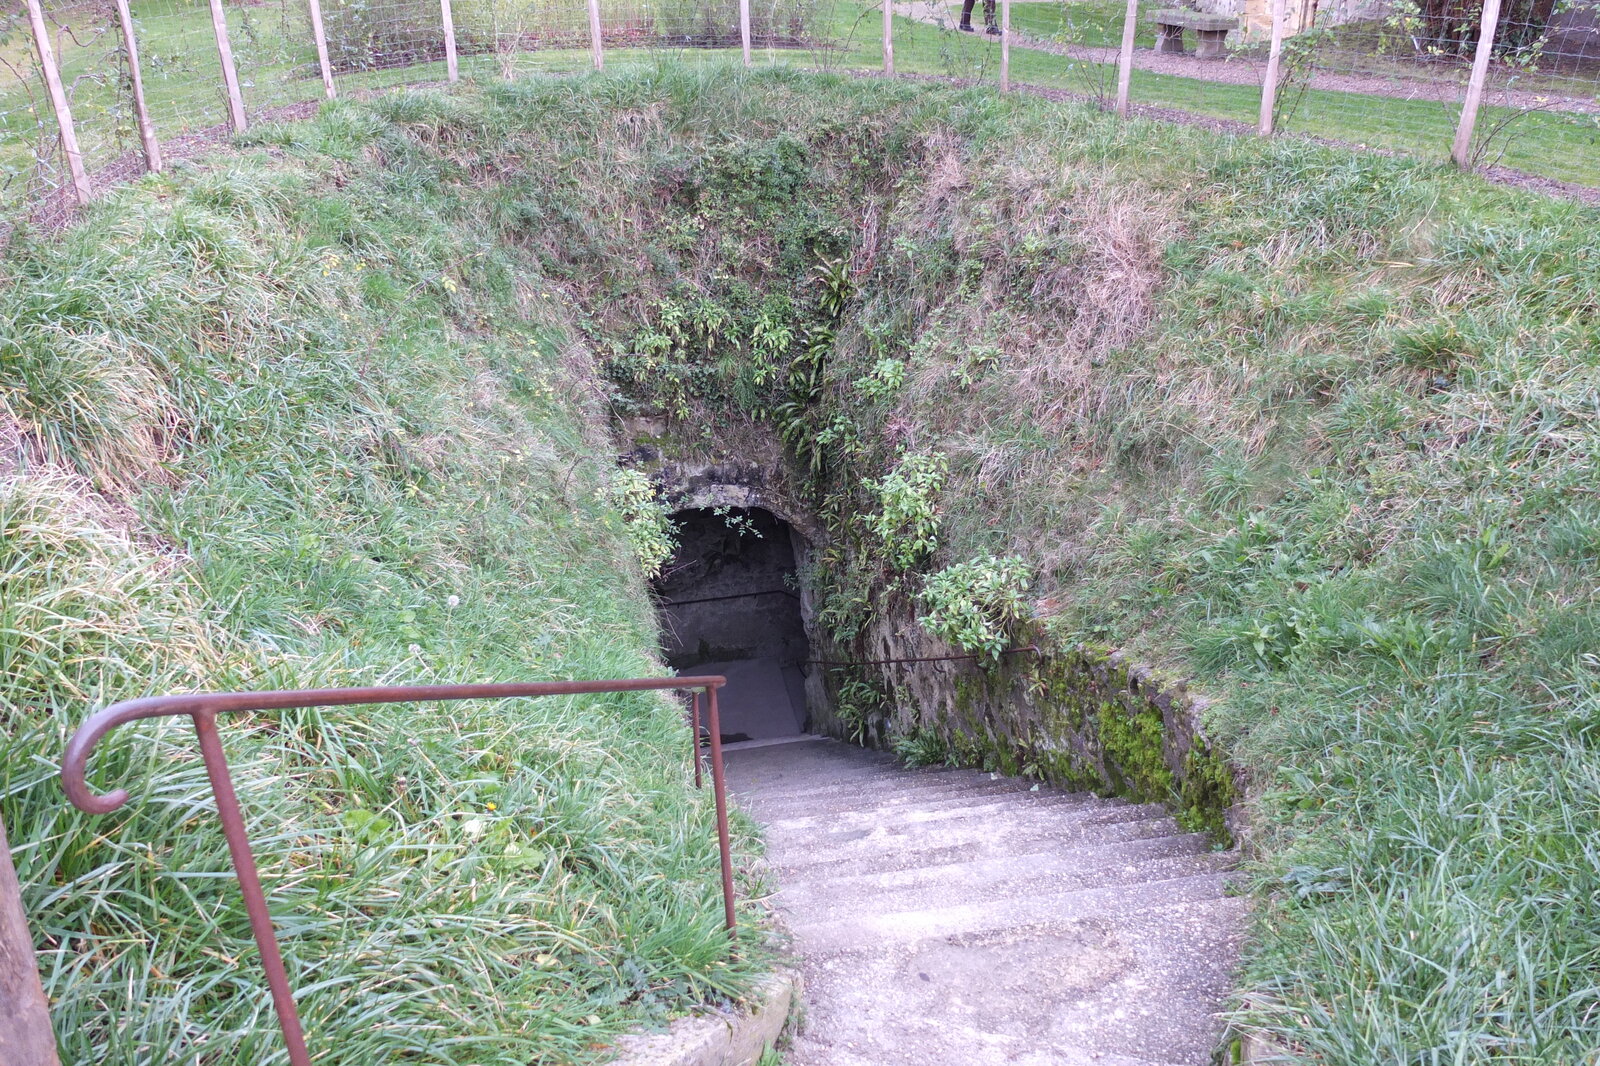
730,604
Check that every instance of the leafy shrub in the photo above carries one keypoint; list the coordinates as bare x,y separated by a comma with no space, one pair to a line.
859,707
975,604
644,519
908,518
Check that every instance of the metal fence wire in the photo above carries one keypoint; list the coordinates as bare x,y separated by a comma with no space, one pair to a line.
92,91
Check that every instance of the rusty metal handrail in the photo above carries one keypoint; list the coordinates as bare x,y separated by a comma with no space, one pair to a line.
203,708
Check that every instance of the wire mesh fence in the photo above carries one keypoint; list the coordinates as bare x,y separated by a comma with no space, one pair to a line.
143,77
30,151
1542,101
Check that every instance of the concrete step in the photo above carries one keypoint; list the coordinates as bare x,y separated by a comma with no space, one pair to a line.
1135,987
754,752
800,783
823,755
954,1050
917,809
862,851
869,931
871,794
1155,859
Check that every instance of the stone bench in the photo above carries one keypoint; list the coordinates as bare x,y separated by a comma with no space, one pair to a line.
1211,32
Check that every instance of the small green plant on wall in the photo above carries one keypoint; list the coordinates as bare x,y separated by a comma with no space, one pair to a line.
644,519
908,518
974,605
859,705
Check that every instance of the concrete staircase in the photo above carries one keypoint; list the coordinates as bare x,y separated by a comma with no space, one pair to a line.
956,917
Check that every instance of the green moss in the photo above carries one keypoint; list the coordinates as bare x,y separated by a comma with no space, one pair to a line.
1133,743
1205,792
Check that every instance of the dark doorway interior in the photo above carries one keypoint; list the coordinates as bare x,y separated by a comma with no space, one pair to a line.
730,606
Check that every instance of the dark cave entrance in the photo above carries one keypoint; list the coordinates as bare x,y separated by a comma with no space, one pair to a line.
730,605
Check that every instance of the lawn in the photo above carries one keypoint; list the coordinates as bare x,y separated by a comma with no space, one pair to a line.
277,67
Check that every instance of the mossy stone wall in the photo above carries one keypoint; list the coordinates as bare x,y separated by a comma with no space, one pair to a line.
1075,716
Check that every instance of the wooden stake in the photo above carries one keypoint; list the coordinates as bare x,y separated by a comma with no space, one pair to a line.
452,65
1130,23
321,37
595,43
147,132
888,37
25,1035
230,73
1005,46
744,28
1461,151
58,101
1269,87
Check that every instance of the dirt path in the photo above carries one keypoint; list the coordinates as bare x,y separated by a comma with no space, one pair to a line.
1242,69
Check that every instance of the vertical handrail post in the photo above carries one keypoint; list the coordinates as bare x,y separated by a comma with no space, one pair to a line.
744,29
26,1038
1269,85
1461,150
720,794
694,727
58,101
1130,24
255,900
141,113
452,62
1005,46
320,35
230,72
888,38
596,43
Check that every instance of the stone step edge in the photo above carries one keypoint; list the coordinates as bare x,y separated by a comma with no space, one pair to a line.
847,937
1089,853
721,1038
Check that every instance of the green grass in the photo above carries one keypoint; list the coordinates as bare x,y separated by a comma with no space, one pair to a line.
1091,23
278,68
1313,429
295,422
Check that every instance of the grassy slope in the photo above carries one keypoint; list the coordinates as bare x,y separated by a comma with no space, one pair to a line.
278,68
1315,429
291,420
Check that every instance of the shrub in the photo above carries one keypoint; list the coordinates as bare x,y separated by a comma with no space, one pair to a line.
975,604
908,519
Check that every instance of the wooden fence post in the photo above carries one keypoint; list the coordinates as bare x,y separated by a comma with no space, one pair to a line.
596,45
321,37
1005,46
744,29
452,64
230,73
147,131
1130,23
58,101
1269,86
25,1035
888,37
1461,151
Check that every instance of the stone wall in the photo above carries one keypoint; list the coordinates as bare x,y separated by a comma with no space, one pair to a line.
1078,717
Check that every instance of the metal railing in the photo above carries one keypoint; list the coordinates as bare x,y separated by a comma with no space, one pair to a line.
203,709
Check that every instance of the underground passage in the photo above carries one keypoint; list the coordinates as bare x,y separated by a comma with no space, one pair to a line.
730,605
